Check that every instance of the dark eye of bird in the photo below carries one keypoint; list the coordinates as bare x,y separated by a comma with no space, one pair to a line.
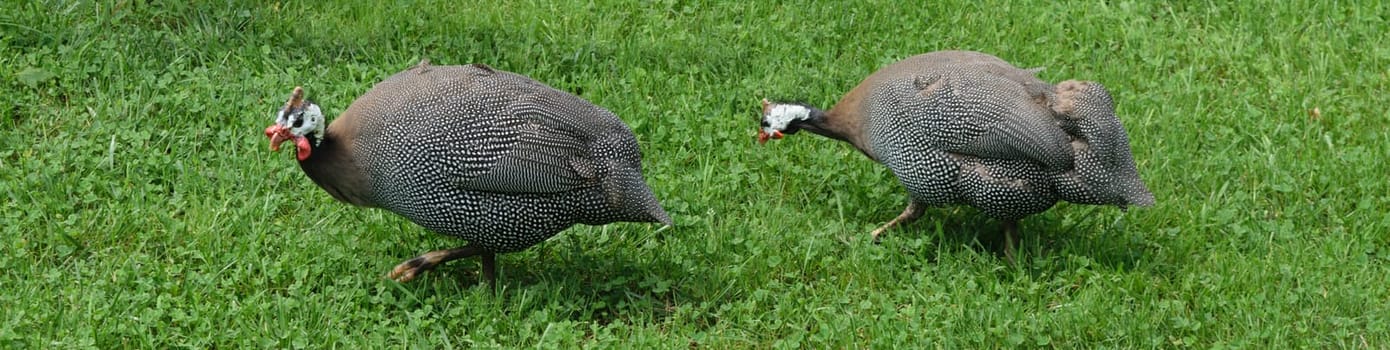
298,122
764,123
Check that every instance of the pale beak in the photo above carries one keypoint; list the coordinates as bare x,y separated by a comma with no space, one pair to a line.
279,134
763,135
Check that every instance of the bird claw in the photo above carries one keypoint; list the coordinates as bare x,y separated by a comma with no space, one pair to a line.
409,269
913,211
874,236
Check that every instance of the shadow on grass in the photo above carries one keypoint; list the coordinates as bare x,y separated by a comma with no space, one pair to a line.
1044,240
580,282
588,280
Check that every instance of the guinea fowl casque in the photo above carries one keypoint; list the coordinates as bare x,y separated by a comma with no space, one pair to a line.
961,127
492,157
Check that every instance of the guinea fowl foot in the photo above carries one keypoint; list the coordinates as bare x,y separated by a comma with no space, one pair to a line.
409,269
913,211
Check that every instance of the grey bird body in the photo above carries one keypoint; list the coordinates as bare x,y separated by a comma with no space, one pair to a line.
960,127
971,129
488,156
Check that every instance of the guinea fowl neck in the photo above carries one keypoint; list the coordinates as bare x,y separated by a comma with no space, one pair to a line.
332,167
838,126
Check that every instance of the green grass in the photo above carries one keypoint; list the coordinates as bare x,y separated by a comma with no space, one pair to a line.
142,208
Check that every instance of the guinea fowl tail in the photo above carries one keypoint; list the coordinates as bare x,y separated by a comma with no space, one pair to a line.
631,197
1105,171
646,208
660,216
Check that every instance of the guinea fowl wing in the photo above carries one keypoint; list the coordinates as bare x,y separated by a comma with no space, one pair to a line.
550,152
969,111
470,127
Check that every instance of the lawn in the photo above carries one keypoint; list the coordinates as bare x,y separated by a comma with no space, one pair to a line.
142,208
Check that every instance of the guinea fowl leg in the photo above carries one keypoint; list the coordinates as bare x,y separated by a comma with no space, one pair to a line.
914,210
1010,238
490,268
412,268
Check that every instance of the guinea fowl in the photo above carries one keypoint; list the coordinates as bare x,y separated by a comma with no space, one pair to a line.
961,127
492,157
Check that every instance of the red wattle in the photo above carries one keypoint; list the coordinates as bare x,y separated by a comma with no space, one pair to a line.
302,146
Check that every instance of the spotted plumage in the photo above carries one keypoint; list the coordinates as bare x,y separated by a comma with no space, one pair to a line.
488,156
960,127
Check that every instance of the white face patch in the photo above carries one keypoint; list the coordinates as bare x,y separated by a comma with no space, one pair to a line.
308,121
778,116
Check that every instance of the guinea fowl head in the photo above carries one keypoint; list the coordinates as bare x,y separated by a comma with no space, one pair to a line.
300,120
783,119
